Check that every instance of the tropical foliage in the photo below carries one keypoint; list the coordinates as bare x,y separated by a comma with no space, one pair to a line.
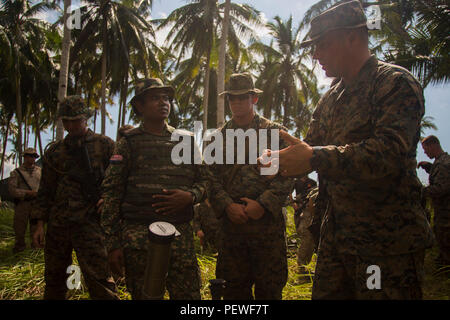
116,44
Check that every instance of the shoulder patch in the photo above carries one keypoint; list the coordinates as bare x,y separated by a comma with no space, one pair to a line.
116,159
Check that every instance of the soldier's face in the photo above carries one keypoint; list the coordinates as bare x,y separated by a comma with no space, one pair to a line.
429,150
155,105
332,53
28,160
242,105
75,128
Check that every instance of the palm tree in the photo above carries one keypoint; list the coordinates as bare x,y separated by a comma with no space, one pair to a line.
413,34
221,71
105,25
64,67
194,32
17,18
289,85
426,49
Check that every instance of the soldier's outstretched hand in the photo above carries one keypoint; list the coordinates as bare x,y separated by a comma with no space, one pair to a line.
293,160
172,201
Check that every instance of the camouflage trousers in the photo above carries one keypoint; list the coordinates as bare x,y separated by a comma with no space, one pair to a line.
306,249
340,276
443,241
183,277
247,260
86,238
21,221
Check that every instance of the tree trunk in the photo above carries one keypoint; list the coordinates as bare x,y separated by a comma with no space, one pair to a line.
124,107
206,92
18,108
5,143
221,70
64,68
104,53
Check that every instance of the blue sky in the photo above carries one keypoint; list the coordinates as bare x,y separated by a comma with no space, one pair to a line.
437,98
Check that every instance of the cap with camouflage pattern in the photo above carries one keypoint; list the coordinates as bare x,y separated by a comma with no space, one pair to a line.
240,83
344,15
72,108
31,152
147,84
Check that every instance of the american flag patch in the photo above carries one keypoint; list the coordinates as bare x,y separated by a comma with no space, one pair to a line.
116,159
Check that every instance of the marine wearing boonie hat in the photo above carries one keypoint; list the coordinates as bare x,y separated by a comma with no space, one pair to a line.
147,84
241,83
344,15
73,108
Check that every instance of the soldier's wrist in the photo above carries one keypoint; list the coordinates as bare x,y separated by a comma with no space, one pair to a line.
315,160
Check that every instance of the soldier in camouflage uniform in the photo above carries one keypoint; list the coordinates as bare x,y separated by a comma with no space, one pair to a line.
365,131
67,199
439,191
206,225
143,185
249,205
307,244
23,184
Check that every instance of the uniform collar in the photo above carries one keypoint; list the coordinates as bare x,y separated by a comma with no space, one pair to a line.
364,74
253,124
167,130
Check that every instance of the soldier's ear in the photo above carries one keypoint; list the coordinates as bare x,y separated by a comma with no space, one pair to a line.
254,99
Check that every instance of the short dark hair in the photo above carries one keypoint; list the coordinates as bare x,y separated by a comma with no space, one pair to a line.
431,140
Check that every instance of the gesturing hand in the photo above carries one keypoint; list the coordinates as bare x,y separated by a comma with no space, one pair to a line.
292,160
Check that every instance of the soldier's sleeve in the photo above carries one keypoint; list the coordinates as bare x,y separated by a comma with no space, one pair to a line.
113,189
399,104
218,197
441,182
200,185
13,186
47,186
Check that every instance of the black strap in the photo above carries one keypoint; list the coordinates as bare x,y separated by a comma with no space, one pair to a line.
23,178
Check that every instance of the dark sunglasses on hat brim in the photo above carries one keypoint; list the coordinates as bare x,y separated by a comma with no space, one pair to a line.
241,97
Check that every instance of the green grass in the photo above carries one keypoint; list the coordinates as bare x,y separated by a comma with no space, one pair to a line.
22,274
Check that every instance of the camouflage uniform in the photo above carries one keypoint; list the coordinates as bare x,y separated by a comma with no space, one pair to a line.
439,192
24,203
72,220
369,131
205,220
140,168
253,253
307,245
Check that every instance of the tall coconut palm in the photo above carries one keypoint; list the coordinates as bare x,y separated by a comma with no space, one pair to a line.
18,18
284,72
194,29
64,66
103,24
221,71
